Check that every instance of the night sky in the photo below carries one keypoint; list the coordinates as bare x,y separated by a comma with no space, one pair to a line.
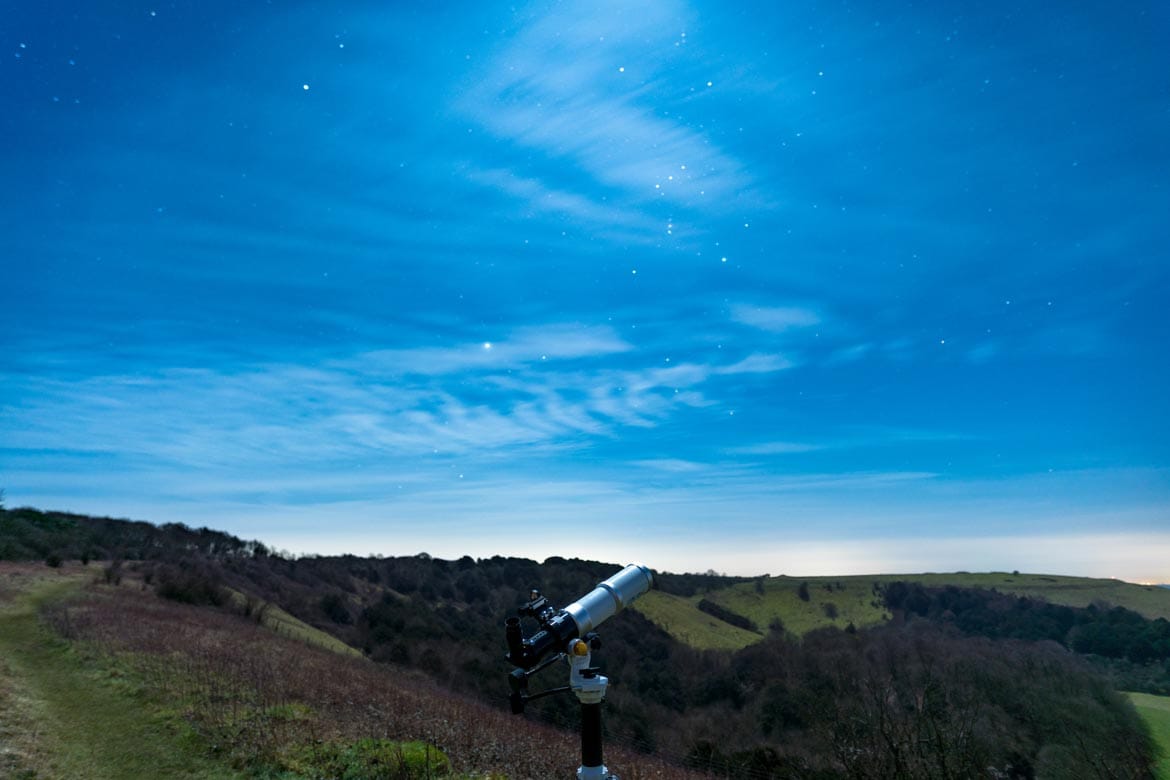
802,288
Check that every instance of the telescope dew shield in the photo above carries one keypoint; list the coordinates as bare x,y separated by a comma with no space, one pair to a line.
609,597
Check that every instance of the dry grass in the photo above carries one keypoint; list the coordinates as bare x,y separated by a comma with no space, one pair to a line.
258,698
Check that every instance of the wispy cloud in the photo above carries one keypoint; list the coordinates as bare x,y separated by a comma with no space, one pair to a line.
774,319
671,465
758,363
849,354
551,386
524,346
585,84
541,199
775,448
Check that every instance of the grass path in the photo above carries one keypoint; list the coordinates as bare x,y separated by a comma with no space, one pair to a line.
59,718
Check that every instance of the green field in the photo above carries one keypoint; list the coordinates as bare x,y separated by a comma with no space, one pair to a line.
1155,711
839,601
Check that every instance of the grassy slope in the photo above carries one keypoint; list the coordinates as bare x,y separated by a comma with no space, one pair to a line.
680,617
93,715
61,719
283,623
1155,711
853,599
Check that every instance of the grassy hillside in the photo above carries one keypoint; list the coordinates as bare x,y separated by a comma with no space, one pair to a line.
1155,711
105,680
63,718
680,617
839,601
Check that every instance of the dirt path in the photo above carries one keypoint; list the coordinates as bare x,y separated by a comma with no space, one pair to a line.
61,717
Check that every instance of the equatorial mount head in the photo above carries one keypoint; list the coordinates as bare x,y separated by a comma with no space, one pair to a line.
558,626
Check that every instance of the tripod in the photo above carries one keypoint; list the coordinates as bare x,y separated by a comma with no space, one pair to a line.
568,634
588,685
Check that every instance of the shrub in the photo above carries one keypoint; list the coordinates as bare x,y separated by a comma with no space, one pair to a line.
370,759
333,605
193,586
727,616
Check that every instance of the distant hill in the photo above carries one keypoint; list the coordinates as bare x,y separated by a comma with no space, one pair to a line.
798,605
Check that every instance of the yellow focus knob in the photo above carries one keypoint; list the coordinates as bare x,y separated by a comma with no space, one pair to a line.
580,647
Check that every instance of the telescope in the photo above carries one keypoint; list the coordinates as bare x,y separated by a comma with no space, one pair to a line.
569,634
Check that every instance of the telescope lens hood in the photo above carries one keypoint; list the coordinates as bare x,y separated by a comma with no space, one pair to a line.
610,597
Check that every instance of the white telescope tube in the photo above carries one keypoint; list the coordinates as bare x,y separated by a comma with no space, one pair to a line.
609,597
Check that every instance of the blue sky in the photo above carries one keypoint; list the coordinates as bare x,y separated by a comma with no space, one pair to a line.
803,288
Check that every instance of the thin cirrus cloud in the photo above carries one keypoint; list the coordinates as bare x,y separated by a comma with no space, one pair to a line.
576,85
757,363
774,319
540,387
544,200
775,448
527,345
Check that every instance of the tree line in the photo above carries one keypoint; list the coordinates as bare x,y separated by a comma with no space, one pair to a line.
1135,650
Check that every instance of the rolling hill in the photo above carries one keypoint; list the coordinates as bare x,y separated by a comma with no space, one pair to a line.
776,603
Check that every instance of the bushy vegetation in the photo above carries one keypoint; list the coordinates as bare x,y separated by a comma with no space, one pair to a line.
919,702
369,759
29,534
1134,649
727,616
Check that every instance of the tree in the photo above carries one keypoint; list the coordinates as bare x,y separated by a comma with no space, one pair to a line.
333,605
